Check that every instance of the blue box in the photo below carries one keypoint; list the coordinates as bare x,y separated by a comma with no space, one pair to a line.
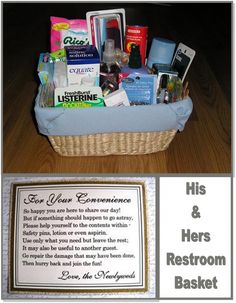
82,62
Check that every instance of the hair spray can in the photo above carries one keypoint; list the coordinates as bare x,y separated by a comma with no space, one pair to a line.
136,34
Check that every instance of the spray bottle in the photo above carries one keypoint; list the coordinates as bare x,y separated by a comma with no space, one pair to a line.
135,62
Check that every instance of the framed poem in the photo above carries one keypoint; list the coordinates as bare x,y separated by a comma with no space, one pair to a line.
78,237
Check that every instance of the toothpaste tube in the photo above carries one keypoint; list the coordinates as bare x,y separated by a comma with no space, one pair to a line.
77,96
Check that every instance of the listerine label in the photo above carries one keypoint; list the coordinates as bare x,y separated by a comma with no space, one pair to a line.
77,96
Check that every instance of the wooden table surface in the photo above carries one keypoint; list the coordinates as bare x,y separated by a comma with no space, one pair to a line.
203,147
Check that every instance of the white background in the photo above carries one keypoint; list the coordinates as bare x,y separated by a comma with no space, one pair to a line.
175,214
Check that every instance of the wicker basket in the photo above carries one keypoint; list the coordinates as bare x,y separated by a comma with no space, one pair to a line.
112,143
133,131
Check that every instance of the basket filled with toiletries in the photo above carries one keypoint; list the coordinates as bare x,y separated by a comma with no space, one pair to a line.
99,93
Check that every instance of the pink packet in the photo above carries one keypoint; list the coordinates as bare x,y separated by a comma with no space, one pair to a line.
68,32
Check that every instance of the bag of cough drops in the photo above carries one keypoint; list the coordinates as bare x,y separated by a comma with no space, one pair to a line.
68,32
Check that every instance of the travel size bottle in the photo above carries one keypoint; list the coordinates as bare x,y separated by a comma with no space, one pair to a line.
109,69
135,62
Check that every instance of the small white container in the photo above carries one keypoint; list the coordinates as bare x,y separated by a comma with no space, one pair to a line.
117,98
